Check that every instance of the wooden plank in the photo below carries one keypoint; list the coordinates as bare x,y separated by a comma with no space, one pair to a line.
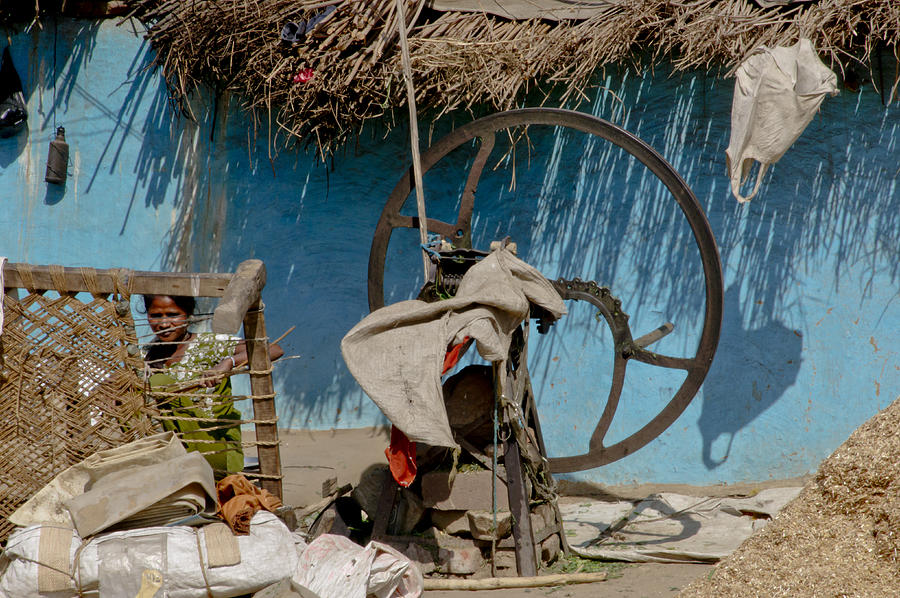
535,422
526,562
385,509
195,284
243,289
261,386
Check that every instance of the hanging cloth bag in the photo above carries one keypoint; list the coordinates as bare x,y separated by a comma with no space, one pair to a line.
777,93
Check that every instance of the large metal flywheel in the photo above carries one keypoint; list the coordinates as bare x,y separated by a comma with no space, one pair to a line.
626,346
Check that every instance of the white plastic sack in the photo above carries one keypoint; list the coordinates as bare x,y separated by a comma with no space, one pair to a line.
47,507
335,567
267,555
777,93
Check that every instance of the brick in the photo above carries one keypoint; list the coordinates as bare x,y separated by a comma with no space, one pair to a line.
470,491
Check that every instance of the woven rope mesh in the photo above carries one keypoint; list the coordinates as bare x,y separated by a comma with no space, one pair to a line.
70,385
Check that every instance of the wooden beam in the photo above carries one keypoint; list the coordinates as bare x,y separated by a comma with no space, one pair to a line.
493,583
526,560
519,503
261,386
197,284
242,291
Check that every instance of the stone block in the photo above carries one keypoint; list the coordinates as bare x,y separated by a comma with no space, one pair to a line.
459,556
368,491
481,524
545,510
452,522
550,549
469,491
409,511
288,517
421,557
505,562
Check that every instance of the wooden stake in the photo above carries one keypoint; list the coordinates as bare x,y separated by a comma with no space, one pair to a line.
490,583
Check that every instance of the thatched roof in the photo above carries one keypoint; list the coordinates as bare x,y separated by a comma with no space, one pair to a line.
347,68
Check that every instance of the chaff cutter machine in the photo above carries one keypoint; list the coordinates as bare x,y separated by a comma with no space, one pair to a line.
481,135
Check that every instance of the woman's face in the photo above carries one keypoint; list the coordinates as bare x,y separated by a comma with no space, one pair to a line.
167,321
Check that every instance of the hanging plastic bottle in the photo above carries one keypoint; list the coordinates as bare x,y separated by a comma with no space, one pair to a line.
58,158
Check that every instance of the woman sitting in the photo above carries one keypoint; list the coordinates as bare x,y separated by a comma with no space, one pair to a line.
199,366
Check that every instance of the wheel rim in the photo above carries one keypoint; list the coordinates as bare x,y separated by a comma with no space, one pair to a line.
626,349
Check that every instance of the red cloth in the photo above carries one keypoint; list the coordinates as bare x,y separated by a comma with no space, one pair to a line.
401,454
451,358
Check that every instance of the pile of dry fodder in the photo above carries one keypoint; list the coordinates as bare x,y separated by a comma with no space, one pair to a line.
840,537
348,69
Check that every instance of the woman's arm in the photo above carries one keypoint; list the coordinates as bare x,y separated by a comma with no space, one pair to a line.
214,375
240,352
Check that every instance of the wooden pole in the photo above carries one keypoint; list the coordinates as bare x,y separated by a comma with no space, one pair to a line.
490,583
413,131
242,290
261,386
198,284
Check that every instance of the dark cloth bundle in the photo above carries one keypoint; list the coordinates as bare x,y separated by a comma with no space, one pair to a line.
13,114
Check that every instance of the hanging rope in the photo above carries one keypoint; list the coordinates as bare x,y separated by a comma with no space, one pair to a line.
413,130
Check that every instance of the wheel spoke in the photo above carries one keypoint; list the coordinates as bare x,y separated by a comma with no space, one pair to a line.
663,361
463,232
653,336
434,226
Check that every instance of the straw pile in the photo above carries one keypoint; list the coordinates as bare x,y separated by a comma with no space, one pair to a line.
840,537
347,70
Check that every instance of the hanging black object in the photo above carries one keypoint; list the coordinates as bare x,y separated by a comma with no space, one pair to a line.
13,114
58,158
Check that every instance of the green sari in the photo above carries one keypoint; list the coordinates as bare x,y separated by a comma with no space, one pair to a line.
219,442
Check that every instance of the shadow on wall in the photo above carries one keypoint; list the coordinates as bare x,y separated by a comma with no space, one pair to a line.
576,209
92,77
753,368
175,162
56,53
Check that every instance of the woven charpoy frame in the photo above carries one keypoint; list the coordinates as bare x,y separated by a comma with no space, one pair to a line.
71,373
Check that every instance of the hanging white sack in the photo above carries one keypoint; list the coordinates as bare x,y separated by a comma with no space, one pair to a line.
777,93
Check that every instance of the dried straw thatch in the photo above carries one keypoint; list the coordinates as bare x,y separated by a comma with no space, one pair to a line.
462,59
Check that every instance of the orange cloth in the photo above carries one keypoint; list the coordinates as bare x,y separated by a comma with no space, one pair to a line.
401,456
239,500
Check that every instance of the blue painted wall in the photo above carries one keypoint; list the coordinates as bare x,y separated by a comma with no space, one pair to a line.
810,342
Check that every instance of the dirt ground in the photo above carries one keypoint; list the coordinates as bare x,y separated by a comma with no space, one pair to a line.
311,457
